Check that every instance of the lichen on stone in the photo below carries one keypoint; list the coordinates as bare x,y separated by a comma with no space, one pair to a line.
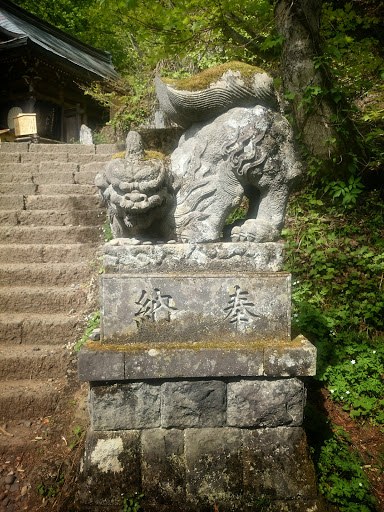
153,155
118,155
202,80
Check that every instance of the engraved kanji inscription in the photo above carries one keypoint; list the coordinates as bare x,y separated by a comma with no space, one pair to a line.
240,308
154,306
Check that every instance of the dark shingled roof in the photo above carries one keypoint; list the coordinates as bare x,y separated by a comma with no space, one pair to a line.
21,28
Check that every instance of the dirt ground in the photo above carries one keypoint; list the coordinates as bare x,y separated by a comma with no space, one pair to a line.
40,458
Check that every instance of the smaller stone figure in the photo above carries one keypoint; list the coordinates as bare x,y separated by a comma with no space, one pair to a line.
137,191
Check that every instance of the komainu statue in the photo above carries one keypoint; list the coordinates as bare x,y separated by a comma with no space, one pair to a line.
236,144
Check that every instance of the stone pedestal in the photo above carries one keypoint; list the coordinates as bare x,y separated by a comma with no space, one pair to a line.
196,393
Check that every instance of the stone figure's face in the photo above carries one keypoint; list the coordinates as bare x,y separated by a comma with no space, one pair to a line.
137,192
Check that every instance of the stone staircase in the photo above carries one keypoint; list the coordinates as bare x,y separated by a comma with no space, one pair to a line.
50,230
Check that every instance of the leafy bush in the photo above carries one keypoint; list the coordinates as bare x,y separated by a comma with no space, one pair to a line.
341,477
336,257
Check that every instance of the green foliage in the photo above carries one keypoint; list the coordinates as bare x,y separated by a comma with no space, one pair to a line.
239,213
337,260
93,321
132,503
78,436
130,100
107,231
341,477
51,490
348,191
201,31
336,257
356,377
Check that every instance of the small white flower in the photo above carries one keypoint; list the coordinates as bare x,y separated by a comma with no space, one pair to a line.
332,390
353,361
347,392
373,351
341,398
360,484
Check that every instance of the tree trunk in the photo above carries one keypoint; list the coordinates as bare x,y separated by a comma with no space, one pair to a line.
299,22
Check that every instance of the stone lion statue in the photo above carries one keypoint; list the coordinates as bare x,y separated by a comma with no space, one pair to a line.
246,150
137,191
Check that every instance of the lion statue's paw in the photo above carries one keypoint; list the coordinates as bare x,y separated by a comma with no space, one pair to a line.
255,231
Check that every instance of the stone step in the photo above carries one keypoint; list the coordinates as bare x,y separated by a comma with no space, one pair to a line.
26,399
13,147
18,188
18,362
15,177
37,177
50,234
19,174
52,218
55,253
67,188
60,157
9,157
46,329
87,177
77,149
51,156
98,149
60,202
27,299
17,168
44,274
12,202
47,189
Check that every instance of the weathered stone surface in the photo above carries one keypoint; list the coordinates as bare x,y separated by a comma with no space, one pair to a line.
214,464
164,307
111,467
109,149
245,149
137,191
13,147
265,403
197,360
123,256
277,464
299,361
125,406
95,365
193,404
69,148
9,157
58,167
86,136
163,466
230,85
87,158
37,158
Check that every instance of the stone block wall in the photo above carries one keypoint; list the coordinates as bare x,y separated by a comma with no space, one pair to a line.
196,469
197,444
244,403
